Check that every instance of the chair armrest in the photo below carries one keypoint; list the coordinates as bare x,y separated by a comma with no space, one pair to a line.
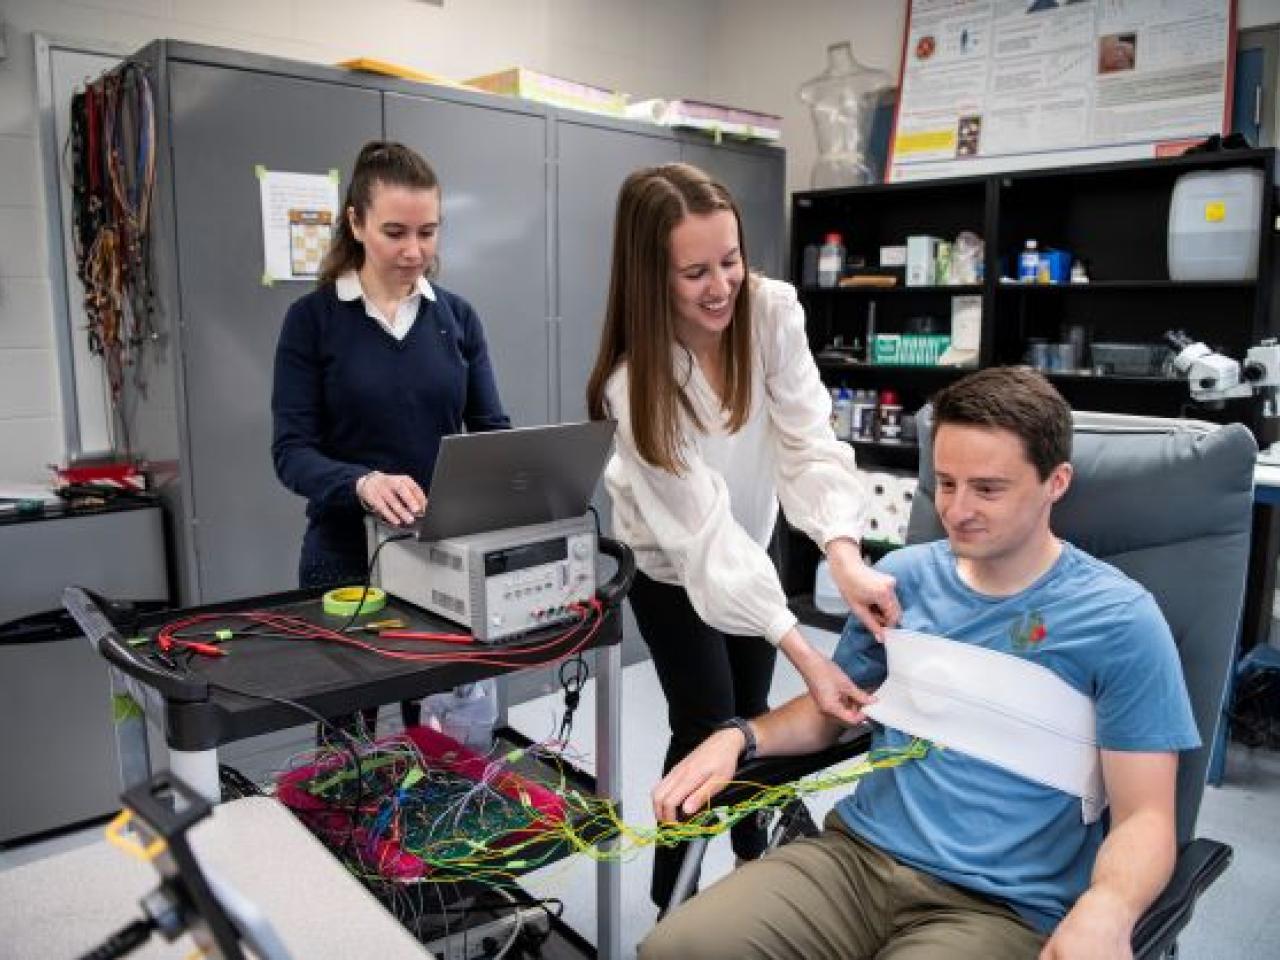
772,771
1199,864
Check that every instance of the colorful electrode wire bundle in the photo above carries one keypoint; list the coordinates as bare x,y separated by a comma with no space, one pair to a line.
423,816
112,154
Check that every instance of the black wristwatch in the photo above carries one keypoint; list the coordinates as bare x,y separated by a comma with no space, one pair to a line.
749,748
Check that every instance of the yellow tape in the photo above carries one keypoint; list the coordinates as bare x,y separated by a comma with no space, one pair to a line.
343,601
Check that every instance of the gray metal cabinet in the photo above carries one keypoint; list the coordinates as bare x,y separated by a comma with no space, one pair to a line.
57,744
529,195
592,161
493,242
244,527
756,176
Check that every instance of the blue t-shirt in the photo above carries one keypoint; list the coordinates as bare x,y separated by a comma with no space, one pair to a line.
976,825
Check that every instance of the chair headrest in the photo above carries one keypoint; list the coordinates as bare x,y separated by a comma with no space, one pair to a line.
1137,481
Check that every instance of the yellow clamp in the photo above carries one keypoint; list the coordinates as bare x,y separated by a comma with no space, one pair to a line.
343,601
117,837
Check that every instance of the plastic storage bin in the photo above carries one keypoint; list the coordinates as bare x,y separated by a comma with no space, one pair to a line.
1214,223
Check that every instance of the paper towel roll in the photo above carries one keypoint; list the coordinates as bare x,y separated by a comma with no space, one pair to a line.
883,487
883,525
907,485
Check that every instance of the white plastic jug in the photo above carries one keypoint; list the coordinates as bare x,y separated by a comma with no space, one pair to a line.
467,713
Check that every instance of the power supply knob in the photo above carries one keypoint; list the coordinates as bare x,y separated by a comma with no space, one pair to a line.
495,620
581,550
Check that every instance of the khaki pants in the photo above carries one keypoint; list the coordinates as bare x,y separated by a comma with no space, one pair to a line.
837,897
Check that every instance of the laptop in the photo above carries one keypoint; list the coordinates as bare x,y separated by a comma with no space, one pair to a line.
514,478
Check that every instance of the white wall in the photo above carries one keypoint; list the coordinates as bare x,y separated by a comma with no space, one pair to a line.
649,48
762,51
1257,13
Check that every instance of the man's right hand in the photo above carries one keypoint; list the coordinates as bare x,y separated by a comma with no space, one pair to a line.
395,497
698,777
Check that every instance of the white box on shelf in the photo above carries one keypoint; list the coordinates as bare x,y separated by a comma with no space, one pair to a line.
922,261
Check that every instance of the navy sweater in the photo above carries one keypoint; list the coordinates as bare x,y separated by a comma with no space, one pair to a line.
349,398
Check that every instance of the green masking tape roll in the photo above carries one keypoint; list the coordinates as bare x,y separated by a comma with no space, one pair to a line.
343,601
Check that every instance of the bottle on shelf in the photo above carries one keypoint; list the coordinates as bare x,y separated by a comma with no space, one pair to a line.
864,410
468,713
842,413
890,417
830,260
1029,263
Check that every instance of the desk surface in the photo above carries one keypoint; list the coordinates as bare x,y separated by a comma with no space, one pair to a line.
329,677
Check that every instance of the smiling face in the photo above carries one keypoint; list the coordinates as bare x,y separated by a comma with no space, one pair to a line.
399,231
990,498
706,275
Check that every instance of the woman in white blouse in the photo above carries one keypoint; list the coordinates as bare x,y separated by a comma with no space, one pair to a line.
721,414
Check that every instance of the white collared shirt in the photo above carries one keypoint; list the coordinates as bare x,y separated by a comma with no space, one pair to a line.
708,527
348,287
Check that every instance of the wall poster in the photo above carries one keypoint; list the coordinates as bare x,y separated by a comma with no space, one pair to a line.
991,85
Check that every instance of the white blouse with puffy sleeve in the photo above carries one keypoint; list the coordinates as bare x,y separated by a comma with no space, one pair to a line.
707,528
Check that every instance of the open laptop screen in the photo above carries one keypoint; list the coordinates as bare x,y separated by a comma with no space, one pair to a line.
513,478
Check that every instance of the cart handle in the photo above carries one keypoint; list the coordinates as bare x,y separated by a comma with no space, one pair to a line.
611,593
85,608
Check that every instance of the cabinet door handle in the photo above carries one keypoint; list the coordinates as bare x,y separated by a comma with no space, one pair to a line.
1257,105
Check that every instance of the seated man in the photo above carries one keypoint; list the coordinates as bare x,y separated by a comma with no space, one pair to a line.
950,856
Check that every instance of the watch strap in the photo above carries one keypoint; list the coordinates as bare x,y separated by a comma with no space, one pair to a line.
748,735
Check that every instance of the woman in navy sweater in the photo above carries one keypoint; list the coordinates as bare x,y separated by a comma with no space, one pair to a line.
374,367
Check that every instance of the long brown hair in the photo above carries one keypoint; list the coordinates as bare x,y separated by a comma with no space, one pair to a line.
379,161
640,321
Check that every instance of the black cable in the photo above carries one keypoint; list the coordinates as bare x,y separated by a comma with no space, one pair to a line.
1255,711
235,784
368,577
572,683
348,743
123,941
573,676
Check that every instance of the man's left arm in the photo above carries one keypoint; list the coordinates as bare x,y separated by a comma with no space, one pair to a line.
1133,864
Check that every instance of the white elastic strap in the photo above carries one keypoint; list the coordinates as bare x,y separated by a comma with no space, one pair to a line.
1003,709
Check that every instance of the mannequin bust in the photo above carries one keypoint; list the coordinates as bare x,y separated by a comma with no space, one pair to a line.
842,101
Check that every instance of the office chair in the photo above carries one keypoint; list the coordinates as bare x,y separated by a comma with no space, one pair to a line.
1162,500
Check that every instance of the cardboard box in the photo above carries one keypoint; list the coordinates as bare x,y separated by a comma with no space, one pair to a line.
544,88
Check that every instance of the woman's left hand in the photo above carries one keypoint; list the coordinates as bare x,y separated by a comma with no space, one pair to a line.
871,595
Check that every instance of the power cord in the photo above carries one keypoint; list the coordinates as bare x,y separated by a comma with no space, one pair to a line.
348,743
123,941
368,577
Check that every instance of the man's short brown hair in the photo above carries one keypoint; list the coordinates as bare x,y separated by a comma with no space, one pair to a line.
1017,399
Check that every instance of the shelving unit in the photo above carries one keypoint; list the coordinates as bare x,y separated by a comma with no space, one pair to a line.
1114,217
